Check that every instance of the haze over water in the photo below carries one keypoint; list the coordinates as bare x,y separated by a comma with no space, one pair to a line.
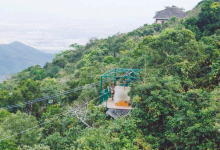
52,26
52,33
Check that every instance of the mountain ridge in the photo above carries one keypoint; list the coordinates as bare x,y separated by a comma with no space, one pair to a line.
16,56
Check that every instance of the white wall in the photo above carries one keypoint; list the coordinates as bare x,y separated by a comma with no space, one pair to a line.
158,21
121,93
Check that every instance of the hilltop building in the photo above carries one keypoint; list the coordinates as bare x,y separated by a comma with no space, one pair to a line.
168,13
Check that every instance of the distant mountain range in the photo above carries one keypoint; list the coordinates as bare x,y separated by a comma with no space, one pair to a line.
15,57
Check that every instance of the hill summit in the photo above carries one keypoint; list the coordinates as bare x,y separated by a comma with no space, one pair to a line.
17,56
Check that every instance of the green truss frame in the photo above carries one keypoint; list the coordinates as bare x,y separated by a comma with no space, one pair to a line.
118,73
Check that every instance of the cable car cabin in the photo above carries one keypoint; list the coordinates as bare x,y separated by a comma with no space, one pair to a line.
115,94
119,99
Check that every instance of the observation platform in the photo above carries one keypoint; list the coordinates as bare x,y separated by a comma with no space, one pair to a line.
111,105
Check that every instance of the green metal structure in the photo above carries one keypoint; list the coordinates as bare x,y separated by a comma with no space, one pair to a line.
124,75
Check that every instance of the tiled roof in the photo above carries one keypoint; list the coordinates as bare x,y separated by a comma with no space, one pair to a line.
170,12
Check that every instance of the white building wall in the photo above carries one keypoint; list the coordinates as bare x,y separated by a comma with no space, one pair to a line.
160,21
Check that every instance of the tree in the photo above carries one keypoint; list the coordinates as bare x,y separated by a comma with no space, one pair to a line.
76,46
109,60
3,115
35,147
208,20
30,90
56,125
174,119
33,72
50,86
118,134
7,144
19,122
55,141
4,98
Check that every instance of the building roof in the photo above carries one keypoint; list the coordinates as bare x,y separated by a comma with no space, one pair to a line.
170,12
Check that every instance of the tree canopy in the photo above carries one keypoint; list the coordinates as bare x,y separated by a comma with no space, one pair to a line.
176,101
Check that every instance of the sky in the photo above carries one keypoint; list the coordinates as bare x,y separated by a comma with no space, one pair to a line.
53,25
126,11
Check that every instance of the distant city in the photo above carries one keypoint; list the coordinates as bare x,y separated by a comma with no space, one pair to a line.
52,34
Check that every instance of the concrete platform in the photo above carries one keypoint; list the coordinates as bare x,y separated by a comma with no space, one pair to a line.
111,105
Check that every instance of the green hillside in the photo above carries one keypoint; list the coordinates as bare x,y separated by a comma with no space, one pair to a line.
176,101
16,56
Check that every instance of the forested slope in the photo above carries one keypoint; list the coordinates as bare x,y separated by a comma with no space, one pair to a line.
176,102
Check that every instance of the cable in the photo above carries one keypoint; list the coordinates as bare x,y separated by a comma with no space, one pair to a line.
53,96
50,119
44,98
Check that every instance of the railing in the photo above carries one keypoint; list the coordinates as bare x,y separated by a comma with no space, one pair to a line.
106,94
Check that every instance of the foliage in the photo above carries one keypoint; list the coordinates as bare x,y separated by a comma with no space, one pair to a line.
176,101
3,115
55,141
119,134
208,20
7,144
35,147
176,118
33,72
23,122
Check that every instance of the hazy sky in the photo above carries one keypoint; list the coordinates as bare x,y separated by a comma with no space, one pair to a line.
55,24
126,11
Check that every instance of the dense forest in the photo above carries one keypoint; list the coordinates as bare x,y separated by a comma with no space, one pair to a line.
177,104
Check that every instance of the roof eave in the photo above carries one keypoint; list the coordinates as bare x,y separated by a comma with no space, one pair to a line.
161,18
